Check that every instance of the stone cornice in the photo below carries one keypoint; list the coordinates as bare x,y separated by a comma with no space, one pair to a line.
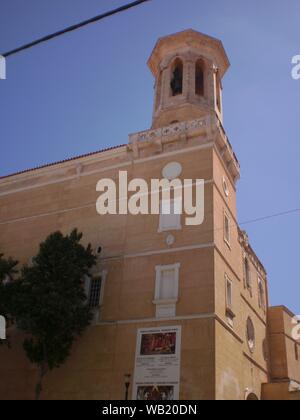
209,128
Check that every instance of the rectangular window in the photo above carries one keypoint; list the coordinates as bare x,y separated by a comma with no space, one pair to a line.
95,292
230,315
167,278
94,289
167,285
247,274
166,290
227,230
296,351
228,293
261,295
170,215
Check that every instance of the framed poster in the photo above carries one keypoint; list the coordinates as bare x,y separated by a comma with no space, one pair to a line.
157,364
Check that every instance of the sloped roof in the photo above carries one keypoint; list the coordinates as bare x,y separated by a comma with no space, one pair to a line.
48,165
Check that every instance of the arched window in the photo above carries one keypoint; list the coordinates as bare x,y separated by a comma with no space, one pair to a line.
199,78
177,78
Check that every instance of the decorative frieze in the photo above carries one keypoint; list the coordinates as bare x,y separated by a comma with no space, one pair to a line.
171,130
208,127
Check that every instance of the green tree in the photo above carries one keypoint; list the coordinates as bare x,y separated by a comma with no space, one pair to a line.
50,303
7,268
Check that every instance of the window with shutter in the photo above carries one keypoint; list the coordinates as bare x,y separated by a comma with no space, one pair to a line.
247,274
166,290
167,285
227,233
228,293
230,315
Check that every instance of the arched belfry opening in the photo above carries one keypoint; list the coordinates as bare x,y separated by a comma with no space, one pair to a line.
177,78
199,78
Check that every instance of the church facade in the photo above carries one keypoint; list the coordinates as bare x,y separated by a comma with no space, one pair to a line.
181,312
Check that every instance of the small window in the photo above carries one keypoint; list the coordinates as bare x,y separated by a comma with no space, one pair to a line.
177,78
94,293
247,273
199,78
250,334
228,293
227,235
170,215
261,295
225,187
229,301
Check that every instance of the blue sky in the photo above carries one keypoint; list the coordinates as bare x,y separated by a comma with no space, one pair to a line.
89,89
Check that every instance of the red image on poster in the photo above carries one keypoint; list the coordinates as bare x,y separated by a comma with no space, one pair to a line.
158,344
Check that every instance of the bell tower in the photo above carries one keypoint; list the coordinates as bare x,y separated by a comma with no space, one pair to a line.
188,68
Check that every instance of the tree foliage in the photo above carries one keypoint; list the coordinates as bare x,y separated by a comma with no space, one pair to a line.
7,268
50,303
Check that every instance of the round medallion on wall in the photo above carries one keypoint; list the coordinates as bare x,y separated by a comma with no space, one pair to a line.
172,171
170,240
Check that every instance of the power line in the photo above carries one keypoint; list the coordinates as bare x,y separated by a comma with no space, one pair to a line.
252,221
74,27
271,216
